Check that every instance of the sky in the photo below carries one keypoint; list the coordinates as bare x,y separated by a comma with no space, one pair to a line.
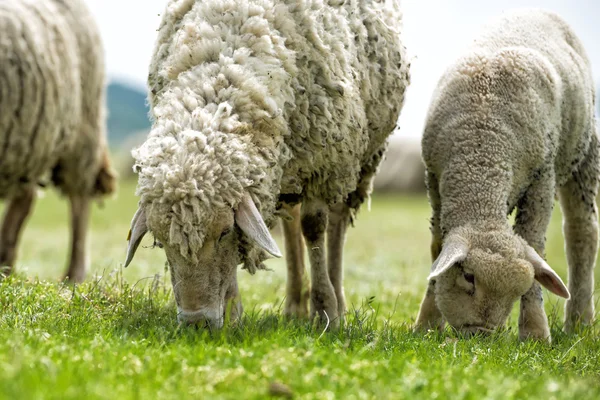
435,32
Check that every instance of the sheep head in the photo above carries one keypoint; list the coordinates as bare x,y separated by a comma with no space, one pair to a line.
204,277
480,274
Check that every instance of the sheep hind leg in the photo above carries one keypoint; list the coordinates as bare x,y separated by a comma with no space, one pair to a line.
580,229
339,219
531,223
15,216
298,287
430,316
80,213
323,301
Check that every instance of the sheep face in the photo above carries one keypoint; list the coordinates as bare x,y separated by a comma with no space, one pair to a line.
205,283
204,276
479,277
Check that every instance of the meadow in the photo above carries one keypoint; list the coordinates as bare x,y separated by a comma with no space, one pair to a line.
116,336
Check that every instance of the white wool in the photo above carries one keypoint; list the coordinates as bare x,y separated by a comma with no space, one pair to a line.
269,97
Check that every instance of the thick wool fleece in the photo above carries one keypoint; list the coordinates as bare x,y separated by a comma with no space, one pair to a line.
518,108
52,98
271,97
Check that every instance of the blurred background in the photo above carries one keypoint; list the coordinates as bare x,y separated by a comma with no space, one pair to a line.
435,32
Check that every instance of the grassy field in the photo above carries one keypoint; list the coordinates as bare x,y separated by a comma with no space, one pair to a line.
116,335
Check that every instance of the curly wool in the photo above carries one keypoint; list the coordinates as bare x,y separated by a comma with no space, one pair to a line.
52,98
269,97
517,108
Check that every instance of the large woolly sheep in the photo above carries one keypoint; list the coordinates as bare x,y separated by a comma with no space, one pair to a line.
511,122
51,116
259,106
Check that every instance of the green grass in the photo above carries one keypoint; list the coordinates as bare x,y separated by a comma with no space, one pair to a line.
116,335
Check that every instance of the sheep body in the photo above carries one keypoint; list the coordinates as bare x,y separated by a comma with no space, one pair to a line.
552,130
288,101
51,102
511,122
263,73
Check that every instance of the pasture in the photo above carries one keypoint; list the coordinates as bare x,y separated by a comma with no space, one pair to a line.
116,336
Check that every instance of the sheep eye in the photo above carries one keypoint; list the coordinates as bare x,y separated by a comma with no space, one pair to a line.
469,278
224,233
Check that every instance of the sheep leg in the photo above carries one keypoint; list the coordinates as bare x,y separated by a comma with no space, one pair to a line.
234,302
80,212
580,229
430,316
15,216
298,288
339,219
323,300
533,217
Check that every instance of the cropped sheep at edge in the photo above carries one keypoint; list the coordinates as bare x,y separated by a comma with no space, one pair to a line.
52,109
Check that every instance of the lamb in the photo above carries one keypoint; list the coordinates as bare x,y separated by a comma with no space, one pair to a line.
51,117
264,108
511,123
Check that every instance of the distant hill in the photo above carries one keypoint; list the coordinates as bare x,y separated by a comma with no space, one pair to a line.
127,112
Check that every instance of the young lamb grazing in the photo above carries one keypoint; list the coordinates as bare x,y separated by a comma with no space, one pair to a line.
51,117
511,123
259,106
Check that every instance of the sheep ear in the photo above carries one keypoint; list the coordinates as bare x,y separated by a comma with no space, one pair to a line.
453,251
252,224
545,275
136,234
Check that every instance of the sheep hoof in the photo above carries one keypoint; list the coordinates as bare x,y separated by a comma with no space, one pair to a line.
577,324
578,315
75,275
424,327
539,334
296,309
326,319
324,306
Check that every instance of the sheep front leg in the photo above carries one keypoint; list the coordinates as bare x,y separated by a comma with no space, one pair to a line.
80,212
580,229
533,217
430,316
339,219
323,300
298,288
15,216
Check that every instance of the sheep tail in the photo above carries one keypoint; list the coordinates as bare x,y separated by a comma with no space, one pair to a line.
106,179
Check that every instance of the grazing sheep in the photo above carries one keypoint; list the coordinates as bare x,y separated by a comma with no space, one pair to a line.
51,116
259,106
511,122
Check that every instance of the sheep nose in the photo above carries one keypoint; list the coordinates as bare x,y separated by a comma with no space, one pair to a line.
201,318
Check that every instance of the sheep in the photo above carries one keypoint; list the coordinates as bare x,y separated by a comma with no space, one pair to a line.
51,117
262,109
511,122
